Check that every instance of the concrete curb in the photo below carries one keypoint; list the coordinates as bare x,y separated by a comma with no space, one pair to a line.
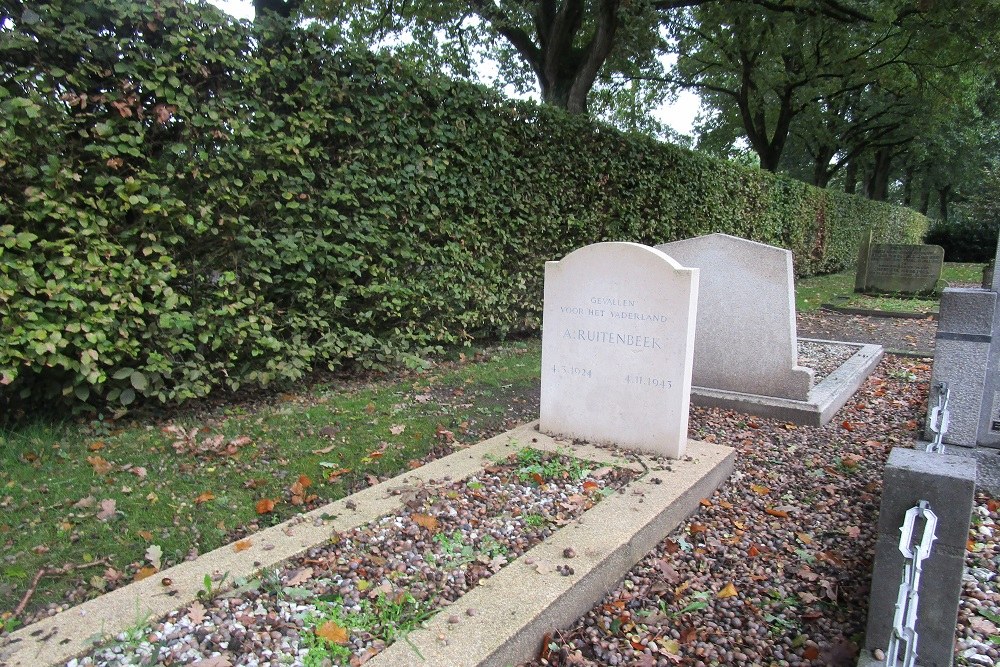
824,399
516,607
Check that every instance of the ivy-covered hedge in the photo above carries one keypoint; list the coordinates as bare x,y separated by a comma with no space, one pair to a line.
190,203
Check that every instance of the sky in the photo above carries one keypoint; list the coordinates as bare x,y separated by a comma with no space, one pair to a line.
680,115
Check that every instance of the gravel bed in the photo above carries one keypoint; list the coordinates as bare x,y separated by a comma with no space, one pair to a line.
372,581
823,358
979,608
774,569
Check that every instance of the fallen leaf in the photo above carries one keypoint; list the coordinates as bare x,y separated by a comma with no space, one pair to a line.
397,429
370,408
196,612
982,626
242,545
145,534
705,502
425,520
760,490
728,591
264,506
670,546
806,573
810,653
325,450
808,598
332,633
698,528
726,505
95,446
805,538
753,551
145,573
107,509
139,472
781,514
847,426
204,497
852,531
590,486
101,467
214,661
153,554
85,503
301,576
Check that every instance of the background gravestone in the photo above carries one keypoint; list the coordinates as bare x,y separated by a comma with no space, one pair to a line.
617,347
894,267
745,338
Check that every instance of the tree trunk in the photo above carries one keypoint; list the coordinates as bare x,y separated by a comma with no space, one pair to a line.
878,188
908,186
925,201
944,194
851,177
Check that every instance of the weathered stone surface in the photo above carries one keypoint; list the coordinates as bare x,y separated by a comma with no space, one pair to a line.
617,347
948,484
906,269
745,338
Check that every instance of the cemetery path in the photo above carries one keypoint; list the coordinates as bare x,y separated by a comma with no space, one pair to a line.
895,334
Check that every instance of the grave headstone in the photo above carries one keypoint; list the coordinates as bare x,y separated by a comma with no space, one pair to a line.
617,347
746,339
896,267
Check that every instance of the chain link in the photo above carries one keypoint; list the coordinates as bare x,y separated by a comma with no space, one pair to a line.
938,421
904,622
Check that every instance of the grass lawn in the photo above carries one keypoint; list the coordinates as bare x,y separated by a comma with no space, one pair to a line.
96,503
811,293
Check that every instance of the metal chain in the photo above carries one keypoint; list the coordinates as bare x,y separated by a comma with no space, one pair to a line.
938,422
904,622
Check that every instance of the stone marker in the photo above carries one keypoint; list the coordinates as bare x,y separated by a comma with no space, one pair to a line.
948,483
894,267
746,340
617,347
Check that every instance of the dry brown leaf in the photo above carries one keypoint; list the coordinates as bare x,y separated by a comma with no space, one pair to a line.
698,528
214,661
425,520
760,490
728,591
781,514
705,502
145,534
107,509
101,467
242,545
590,486
300,576
196,612
726,505
204,497
332,633
264,506
397,429
95,446
805,538
324,450
145,573
753,551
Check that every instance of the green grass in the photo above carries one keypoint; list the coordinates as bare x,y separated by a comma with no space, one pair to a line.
811,293
55,476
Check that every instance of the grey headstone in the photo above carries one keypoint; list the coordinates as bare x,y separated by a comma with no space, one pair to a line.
906,269
861,274
746,340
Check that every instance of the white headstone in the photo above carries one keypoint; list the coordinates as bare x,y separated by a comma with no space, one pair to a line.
746,338
617,347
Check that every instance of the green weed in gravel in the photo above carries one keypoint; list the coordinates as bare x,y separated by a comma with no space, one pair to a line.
86,501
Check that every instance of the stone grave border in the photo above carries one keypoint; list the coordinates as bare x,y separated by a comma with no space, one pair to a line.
609,539
824,398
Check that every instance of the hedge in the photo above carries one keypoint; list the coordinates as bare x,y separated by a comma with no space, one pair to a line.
189,203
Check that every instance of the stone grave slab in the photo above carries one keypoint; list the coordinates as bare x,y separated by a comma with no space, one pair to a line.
745,338
617,347
902,268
